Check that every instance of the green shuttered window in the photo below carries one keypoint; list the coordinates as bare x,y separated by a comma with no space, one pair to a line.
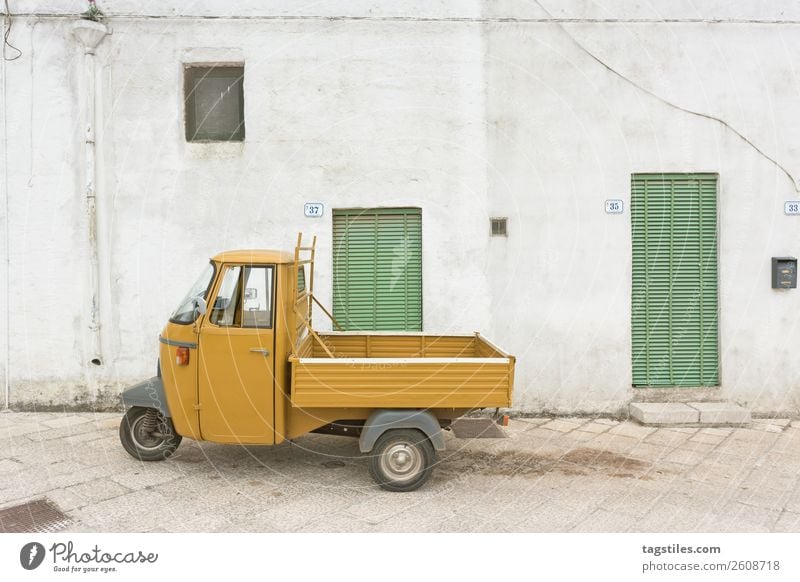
674,311
377,269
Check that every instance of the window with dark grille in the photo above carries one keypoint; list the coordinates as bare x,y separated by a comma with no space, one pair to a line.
499,227
214,103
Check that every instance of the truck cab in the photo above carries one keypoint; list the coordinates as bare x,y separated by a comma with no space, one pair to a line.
223,352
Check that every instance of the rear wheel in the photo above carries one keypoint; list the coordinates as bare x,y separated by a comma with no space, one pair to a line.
148,435
402,459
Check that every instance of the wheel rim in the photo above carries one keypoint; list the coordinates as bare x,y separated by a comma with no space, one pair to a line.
401,461
145,440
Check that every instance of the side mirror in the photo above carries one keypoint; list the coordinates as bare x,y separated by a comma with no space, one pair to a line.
199,306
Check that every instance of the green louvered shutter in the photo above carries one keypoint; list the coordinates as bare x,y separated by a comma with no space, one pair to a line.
377,269
674,311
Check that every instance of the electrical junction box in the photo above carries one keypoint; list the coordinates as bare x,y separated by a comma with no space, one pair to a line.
784,272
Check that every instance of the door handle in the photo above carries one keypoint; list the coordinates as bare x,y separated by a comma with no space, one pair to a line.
260,351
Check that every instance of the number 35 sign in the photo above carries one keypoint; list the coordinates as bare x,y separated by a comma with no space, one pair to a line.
614,206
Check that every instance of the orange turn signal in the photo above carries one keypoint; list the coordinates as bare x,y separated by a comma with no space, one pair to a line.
182,357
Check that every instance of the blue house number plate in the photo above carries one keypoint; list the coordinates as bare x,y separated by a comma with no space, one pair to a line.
614,206
791,207
313,209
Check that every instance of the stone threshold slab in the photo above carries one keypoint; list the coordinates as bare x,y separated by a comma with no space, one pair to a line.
689,413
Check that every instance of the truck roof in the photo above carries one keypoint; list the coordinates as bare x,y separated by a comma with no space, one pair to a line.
254,256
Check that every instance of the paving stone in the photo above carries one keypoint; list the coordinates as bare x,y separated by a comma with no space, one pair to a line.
535,420
614,442
216,522
699,447
699,497
655,413
764,497
63,420
631,430
636,499
667,437
706,438
788,522
579,436
65,499
16,430
344,522
737,518
463,522
716,431
721,413
649,451
550,517
559,425
97,490
432,518
771,478
541,435
685,457
604,521
62,431
668,517
595,427
142,478
10,465
793,502
766,427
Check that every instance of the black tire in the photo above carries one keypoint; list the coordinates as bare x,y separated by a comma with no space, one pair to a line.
402,459
148,446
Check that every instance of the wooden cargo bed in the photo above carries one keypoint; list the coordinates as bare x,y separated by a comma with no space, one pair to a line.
400,370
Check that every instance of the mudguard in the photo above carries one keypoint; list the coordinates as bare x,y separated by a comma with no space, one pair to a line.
149,394
382,420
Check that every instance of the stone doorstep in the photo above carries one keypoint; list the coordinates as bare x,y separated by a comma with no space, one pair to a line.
689,413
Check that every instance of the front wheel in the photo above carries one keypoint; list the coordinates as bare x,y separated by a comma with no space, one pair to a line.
402,459
148,435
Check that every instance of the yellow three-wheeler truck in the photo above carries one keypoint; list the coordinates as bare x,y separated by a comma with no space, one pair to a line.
240,362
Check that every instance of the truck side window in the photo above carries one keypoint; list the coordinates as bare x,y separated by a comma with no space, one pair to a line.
258,297
224,311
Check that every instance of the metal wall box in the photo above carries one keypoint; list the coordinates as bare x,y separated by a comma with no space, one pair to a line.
784,272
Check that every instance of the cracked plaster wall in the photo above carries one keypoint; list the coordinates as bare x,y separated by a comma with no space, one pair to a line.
467,109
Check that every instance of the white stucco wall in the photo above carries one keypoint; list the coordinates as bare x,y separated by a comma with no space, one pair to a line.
466,109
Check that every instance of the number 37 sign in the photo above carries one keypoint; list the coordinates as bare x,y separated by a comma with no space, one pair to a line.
313,209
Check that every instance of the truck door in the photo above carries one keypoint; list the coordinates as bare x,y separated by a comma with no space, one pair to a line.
236,363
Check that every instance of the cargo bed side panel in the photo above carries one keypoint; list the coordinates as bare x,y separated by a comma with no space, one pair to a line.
401,383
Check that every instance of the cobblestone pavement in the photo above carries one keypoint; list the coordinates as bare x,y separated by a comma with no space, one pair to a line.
550,475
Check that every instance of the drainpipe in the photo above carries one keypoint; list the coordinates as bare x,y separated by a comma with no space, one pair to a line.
7,258
89,34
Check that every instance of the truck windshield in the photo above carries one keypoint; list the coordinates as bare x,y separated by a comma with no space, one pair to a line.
185,312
